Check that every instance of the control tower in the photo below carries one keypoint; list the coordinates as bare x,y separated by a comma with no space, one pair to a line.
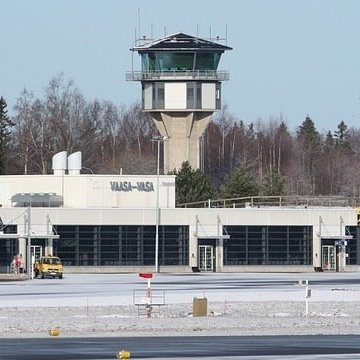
181,88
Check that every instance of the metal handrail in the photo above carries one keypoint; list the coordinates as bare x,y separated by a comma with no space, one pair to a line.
221,75
276,201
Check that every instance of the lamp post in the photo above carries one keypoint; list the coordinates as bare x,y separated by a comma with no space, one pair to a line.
158,140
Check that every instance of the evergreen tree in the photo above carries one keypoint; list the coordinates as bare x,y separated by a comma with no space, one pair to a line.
273,184
5,126
342,136
329,141
240,184
191,185
309,139
309,135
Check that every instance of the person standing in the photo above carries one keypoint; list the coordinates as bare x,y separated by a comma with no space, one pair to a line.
21,264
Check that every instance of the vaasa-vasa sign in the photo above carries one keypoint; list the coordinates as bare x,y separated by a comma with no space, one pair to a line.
126,186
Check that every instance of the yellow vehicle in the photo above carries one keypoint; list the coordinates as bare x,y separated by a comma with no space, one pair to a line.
49,266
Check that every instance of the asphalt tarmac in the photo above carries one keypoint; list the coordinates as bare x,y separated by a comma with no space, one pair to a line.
106,288
201,347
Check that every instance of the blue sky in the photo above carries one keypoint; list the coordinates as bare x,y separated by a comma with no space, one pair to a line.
289,58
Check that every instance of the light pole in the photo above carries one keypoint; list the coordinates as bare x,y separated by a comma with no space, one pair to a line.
158,140
28,248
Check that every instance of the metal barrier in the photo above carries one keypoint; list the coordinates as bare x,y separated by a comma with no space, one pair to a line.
148,304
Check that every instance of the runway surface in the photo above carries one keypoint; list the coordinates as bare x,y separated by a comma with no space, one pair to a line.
217,347
108,289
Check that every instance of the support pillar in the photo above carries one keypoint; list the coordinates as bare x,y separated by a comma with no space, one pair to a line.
184,130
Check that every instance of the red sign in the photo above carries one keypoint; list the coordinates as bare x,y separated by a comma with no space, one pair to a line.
146,275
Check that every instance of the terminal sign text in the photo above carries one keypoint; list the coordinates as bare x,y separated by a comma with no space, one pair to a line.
126,186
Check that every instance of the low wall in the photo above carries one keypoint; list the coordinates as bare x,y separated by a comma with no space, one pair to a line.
123,269
13,277
269,268
186,269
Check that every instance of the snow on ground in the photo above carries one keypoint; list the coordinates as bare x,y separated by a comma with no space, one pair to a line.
103,306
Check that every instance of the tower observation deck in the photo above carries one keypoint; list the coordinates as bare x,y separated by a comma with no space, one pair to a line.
181,88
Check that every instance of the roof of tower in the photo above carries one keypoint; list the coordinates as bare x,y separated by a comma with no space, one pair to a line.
180,41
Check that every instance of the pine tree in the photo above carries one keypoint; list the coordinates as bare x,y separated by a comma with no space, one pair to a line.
273,184
329,141
240,184
5,125
309,139
191,185
342,136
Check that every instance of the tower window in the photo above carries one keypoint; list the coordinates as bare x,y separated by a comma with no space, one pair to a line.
218,96
158,95
198,96
190,96
193,95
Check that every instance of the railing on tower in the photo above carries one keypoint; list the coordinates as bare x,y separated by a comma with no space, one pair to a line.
221,75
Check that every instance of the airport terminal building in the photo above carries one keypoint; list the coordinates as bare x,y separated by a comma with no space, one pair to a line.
120,223
115,223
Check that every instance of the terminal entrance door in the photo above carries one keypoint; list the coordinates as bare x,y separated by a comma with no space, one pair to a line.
36,252
329,257
206,256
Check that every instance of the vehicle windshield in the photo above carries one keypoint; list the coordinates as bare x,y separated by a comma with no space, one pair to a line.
55,261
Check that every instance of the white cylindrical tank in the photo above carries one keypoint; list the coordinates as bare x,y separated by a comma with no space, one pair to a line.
74,163
59,163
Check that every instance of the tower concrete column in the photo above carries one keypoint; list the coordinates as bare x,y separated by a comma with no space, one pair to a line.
183,131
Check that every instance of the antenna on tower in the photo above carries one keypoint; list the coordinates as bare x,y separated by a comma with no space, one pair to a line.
139,23
216,38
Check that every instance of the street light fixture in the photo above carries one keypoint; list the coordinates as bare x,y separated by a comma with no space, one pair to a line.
158,140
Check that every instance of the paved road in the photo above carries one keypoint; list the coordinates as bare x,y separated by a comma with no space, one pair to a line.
202,347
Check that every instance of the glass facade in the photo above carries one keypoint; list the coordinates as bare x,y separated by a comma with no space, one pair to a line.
8,248
268,245
98,245
180,61
353,245
193,95
158,95
134,245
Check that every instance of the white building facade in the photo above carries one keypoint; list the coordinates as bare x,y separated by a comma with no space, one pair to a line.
102,223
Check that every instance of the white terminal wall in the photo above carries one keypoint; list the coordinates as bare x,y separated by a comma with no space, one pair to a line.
90,200
201,222
93,191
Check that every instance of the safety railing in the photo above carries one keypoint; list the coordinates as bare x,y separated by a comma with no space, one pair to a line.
278,201
220,75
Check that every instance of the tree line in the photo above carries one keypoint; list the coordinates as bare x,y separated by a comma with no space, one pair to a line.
239,158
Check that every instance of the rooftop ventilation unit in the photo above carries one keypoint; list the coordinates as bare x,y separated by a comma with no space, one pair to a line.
74,163
59,163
